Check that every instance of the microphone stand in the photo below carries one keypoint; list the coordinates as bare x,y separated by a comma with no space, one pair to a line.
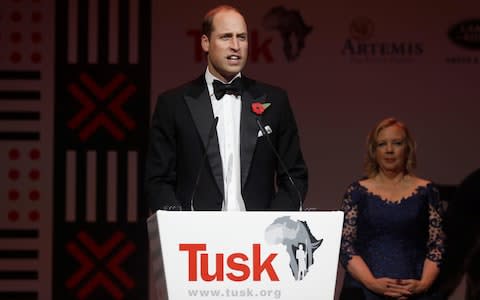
282,164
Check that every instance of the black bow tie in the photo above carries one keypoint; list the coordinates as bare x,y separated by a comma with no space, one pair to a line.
220,88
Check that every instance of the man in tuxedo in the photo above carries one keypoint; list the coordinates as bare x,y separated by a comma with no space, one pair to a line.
198,162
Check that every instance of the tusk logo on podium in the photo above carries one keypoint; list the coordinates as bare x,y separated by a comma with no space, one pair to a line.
237,261
299,242
294,235
245,255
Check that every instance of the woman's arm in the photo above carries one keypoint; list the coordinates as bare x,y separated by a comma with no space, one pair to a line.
435,246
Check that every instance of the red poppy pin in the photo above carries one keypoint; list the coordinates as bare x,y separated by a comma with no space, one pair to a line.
258,108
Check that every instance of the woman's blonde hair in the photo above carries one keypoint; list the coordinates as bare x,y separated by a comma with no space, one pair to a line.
371,164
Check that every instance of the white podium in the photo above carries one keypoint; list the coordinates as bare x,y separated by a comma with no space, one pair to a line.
245,255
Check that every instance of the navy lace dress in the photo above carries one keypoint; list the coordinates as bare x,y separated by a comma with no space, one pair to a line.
393,238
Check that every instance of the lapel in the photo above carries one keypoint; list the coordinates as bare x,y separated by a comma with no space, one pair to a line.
248,125
199,104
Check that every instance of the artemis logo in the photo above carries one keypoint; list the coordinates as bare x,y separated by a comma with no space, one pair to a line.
198,261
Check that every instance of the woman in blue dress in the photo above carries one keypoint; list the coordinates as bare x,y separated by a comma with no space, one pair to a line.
393,240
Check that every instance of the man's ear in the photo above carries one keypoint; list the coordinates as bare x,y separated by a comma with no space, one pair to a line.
205,43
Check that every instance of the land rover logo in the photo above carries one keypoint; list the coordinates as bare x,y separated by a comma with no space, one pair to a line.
466,34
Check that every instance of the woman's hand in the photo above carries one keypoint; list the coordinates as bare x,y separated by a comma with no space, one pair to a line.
394,288
414,286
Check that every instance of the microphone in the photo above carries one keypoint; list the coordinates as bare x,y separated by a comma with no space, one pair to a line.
211,133
282,164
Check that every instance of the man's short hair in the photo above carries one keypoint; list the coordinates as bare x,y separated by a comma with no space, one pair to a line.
207,24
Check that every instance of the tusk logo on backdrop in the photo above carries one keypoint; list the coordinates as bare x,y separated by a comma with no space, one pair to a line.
298,240
288,23
291,26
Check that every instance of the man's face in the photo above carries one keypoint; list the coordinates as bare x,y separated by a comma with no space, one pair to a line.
227,46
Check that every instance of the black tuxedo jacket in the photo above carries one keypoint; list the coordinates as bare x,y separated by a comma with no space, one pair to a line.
179,135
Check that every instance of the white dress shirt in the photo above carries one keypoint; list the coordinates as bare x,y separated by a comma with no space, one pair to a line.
228,110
